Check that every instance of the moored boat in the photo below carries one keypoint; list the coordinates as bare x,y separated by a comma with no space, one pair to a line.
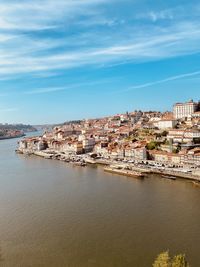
169,177
124,172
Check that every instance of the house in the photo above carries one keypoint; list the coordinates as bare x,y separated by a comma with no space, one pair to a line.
191,157
166,123
159,156
74,147
88,144
136,153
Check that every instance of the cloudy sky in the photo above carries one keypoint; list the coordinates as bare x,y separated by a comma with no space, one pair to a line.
70,59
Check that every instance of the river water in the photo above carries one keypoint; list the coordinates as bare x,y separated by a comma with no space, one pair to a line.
55,215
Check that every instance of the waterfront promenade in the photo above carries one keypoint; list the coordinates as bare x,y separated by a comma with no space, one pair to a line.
125,167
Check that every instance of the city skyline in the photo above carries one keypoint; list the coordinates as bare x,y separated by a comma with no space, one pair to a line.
65,60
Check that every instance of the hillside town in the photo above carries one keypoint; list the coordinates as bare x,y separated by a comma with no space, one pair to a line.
150,140
8,131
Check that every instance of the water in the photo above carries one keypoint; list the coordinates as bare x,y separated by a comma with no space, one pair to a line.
53,214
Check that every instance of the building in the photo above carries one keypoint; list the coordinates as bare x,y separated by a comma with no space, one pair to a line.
88,144
75,147
192,157
165,123
163,157
196,115
183,110
183,135
139,153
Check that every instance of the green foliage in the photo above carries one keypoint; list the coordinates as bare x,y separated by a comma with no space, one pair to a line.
152,145
164,133
179,261
167,143
130,138
164,260
175,150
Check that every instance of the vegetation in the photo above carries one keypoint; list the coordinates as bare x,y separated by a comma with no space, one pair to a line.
167,142
164,133
72,122
130,138
164,260
152,145
177,149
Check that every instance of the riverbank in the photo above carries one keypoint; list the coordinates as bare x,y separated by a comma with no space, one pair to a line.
11,137
125,169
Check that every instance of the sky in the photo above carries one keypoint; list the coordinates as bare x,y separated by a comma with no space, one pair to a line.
62,60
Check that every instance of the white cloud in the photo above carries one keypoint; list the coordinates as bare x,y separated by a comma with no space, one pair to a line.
67,87
23,51
160,15
169,79
40,14
45,90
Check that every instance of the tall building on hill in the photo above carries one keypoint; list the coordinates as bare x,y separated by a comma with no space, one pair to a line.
183,110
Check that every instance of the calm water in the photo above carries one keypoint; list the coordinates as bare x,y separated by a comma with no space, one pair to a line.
53,214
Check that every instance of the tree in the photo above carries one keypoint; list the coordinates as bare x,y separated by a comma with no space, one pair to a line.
164,260
179,261
152,145
164,133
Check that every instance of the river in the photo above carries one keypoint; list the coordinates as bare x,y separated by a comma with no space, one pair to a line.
55,215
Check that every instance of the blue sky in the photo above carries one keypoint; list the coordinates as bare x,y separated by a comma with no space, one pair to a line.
71,59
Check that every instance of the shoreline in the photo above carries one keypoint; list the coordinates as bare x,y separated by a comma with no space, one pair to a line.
121,168
11,137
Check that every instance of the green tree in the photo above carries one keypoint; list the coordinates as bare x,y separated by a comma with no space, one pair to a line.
152,145
164,260
179,261
164,133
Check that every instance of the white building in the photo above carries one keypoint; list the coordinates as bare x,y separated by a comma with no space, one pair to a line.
136,153
181,135
165,123
183,110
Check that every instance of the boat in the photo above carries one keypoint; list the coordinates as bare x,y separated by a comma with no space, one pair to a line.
90,160
124,172
169,177
82,164
48,156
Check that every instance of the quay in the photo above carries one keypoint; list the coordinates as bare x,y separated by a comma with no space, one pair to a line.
176,174
129,169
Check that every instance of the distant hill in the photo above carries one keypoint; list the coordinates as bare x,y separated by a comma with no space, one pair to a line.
17,127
